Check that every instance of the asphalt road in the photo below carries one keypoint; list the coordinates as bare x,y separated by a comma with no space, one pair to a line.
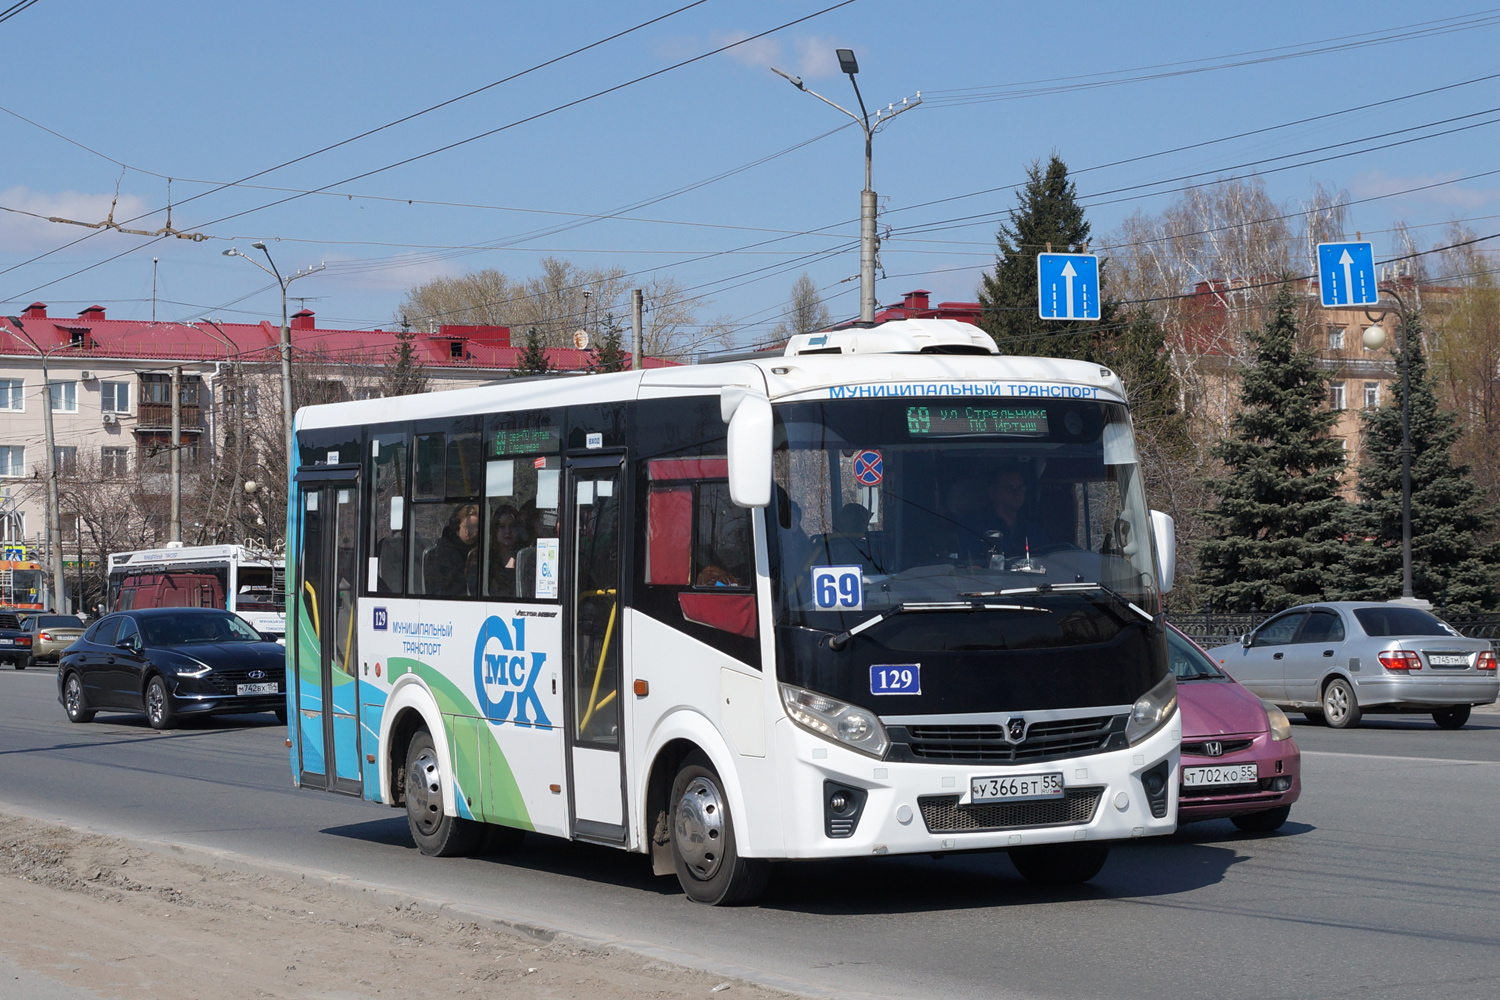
1382,885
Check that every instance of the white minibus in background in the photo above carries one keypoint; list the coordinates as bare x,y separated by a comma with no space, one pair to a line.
247,581
888,592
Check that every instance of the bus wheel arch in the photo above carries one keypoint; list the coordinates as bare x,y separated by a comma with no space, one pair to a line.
664,770
409,708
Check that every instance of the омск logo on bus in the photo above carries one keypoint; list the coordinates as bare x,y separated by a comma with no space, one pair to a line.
504,680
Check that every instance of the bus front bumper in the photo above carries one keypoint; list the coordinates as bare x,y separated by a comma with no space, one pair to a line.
919,808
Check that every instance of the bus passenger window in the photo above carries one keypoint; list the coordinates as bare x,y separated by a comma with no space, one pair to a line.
722,552
387,523
520,507
445,530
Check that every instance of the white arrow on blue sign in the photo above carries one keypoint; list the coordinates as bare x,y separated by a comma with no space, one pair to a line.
1346,275
1067,285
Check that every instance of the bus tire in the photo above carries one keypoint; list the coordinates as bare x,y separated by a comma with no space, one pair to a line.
160,712
709,866
1059,864
437,834
74,702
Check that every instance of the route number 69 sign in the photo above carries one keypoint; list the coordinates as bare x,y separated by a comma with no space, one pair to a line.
838,588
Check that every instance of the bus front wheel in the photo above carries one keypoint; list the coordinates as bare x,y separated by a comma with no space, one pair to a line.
709,866
437,835
1059,864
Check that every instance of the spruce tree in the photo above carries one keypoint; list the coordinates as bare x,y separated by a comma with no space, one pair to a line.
405,375
609,352
533,359
1450,565
1047,214
1279,521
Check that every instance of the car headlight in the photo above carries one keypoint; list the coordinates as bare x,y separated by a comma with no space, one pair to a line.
190,668
835,721
1152,709
1281,726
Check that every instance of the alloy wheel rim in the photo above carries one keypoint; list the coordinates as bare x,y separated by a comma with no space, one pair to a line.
424,791
154,702
73,695
698,828
1336,702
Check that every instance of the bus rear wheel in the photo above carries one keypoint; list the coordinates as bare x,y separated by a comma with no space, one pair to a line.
1059,864
709,866
437,835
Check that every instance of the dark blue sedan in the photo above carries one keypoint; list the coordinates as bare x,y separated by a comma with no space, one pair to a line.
169,663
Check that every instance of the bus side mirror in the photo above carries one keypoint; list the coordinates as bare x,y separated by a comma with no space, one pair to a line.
748,415
1165,530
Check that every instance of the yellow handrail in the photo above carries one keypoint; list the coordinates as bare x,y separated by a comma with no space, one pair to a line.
317,630
609,631
348,640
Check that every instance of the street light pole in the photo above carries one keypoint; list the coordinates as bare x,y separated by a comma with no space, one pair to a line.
1375,338
867,239
286,340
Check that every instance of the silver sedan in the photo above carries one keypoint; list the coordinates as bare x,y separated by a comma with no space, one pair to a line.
1338,660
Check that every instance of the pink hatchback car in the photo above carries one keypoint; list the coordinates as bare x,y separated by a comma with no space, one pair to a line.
1239,760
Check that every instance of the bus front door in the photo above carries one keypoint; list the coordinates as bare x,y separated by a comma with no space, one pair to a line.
595,630
321,638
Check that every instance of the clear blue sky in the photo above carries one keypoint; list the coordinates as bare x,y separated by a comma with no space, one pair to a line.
213,92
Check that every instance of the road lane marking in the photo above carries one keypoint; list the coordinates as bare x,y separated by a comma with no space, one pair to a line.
1404,760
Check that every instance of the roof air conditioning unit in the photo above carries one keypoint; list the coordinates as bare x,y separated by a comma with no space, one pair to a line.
111,418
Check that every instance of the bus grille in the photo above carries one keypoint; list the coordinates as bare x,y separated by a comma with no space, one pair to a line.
987,744
943,814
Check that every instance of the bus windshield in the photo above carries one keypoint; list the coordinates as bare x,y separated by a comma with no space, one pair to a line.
944,500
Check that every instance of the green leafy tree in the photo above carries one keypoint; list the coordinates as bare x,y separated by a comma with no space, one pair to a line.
533,359
1278,525
405,375
609,352
1047,214
1450,565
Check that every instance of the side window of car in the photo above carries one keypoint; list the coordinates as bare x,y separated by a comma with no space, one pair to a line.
1279,631
104,633
1321,627
128,633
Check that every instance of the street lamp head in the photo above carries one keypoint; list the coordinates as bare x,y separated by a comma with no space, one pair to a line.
251,486
847,62
232,252
795,81
259,246
1374,337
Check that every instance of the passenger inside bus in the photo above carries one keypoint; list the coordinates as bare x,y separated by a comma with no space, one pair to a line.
445,566
508,540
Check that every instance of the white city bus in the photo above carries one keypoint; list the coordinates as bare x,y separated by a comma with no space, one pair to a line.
247,581
888,593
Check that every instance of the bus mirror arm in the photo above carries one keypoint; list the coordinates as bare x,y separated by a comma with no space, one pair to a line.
749,417
1165,530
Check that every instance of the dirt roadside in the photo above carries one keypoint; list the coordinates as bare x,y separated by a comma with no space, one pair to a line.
108,916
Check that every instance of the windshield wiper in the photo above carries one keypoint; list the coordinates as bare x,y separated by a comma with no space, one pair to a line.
841,640
1073,588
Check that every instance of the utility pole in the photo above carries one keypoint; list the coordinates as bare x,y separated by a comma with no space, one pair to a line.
868,243
635,328
176,527
54,513
286,341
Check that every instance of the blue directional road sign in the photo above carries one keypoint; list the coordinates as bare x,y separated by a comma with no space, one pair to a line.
1067,285
1346,275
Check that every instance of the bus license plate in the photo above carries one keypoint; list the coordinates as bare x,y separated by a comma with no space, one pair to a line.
271,688
1234,774
1016,787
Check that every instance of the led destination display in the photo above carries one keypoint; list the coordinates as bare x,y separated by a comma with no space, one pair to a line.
924,421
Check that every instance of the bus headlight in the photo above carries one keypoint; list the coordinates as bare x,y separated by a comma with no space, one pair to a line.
835,721
1151,710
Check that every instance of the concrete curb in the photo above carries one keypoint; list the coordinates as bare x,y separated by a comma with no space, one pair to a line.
490,917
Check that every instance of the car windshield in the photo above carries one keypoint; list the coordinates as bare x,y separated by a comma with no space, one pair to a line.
185,629
912,501
56,621
1189,662
1382,622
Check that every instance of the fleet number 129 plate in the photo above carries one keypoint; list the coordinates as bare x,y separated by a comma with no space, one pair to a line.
1016,787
